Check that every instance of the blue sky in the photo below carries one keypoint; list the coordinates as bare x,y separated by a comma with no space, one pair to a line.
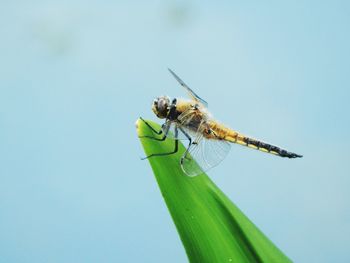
74,77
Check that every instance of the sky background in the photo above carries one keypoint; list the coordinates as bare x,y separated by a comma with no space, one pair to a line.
75,76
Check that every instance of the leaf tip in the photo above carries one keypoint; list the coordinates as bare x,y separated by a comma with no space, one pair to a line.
137,125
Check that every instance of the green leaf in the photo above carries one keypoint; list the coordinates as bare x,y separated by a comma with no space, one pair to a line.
211,227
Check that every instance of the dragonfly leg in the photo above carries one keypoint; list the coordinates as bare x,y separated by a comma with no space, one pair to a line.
184,156
169,153
165,127
149,126
154,138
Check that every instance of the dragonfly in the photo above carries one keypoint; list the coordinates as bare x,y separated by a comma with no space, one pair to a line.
208,140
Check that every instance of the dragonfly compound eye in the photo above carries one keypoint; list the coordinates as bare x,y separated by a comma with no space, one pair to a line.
161,107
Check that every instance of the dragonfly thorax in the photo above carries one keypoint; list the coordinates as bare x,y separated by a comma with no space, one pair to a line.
161,106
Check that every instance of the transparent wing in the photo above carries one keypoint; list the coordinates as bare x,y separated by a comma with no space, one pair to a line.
192,94
204,154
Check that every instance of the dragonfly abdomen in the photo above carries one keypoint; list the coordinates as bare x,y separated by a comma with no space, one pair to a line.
236,137
265,147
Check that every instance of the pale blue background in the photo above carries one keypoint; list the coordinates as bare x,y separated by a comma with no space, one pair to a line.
74,77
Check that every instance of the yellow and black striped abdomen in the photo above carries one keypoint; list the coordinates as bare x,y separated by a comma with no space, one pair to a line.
223,133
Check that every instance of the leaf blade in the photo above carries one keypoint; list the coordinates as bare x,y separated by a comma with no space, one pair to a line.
211,227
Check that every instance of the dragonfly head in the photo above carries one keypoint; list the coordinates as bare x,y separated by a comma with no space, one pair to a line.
161,106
